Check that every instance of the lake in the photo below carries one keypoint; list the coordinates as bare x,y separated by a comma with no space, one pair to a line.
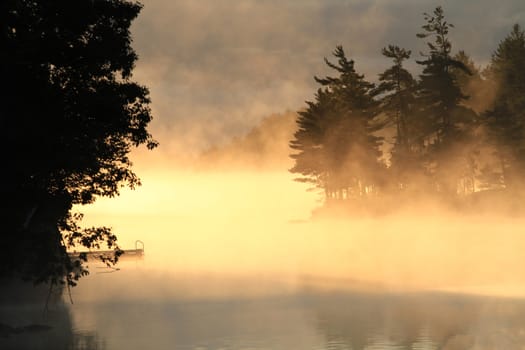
233,264
138,308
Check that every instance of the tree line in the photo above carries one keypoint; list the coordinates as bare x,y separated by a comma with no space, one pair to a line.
454,130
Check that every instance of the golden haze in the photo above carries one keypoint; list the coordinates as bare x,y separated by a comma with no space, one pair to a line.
252,224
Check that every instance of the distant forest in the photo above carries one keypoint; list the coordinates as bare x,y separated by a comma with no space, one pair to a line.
456,131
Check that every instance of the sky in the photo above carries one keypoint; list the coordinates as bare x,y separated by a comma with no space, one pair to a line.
216,68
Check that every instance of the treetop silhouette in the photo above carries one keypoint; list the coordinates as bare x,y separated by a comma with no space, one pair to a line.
71,114
457,130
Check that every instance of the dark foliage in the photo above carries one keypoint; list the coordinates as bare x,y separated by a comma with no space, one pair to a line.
457,130
506,119
70,115
336,142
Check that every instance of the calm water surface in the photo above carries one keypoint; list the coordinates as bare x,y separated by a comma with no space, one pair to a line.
236,280
134,308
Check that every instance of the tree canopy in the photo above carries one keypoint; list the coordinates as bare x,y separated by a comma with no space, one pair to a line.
337,147
70,115
506,119
453,132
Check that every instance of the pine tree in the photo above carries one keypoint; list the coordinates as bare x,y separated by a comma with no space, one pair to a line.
397,97
310,161
476,89
443,117
338,149
506,120
472,83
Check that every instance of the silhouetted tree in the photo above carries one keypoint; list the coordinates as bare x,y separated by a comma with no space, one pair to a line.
311,159
444,118
396,91
506,119
338,148
458,129
70,115
476,89
472,83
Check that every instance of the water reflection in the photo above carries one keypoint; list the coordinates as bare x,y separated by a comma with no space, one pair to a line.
150,314
28,321
421,321
302,319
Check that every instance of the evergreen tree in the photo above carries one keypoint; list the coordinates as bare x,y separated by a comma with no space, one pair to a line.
506,120
443,117
337,135
311,159
471,82
396,90
476,89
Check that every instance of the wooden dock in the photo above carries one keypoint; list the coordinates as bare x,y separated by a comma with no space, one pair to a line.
137,253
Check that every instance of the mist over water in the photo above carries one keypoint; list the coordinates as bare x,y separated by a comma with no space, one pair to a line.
239,256
234,260
242,224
